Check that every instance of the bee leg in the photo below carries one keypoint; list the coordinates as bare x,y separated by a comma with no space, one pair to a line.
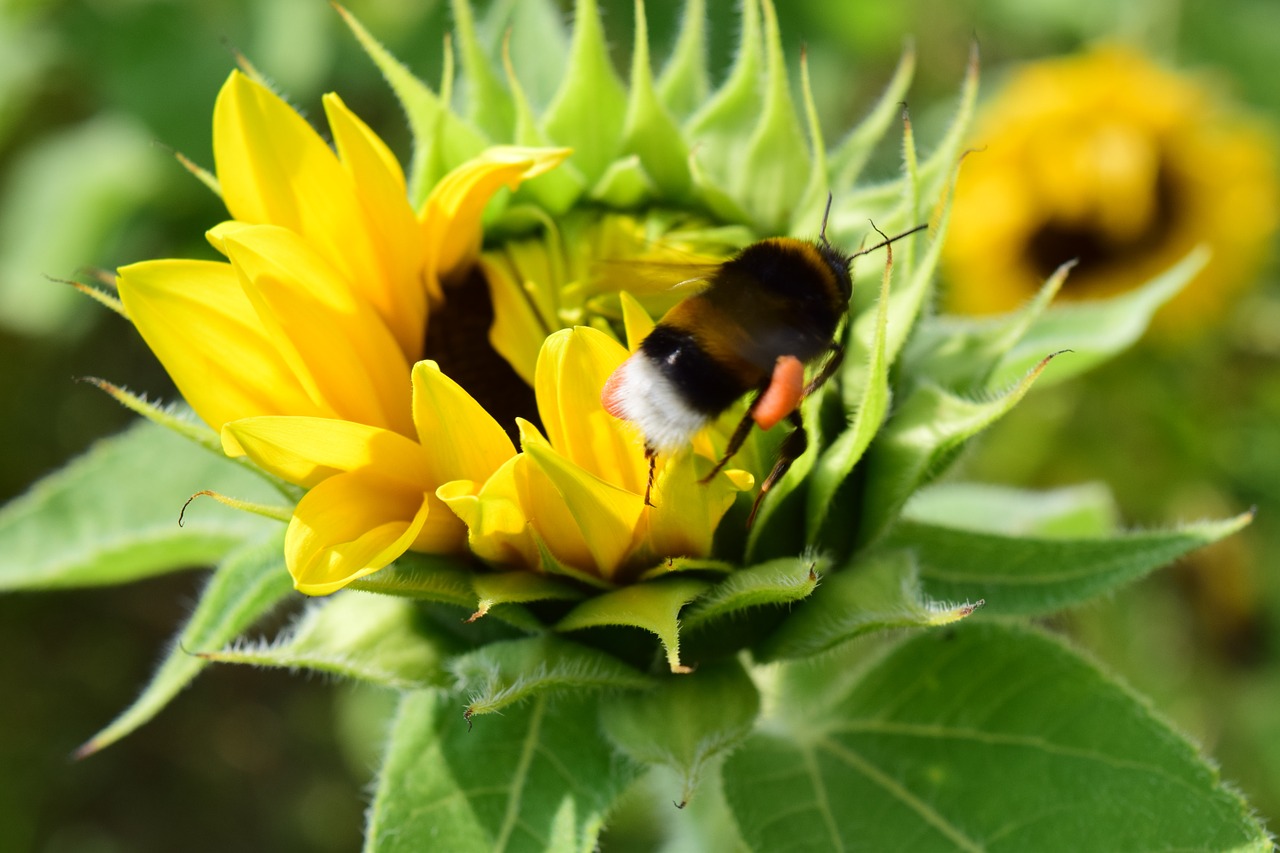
740,433
828,370
793,447
652,456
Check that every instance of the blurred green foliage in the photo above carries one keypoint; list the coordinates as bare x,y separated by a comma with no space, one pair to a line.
94,94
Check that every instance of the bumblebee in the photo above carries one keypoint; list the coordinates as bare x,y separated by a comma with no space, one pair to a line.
765,314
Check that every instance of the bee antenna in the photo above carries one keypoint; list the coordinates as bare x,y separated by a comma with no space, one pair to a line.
822,235
887,240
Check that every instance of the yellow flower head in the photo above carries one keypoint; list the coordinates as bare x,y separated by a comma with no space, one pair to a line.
1110,160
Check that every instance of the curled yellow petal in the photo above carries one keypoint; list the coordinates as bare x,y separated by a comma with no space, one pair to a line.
450,219
606,515
497,526
195,317
307,451
686,511
460,439
571,371
349,526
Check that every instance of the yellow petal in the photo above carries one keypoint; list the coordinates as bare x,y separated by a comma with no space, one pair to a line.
349,526
197,320
517,332
572,369
497,526
337,345
605,515
450,219
379,182
460,439
308,450
275,169
635,320
686,512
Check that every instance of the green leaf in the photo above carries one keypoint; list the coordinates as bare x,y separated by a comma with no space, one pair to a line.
1079,511
985,737
685,722
921,438
1096,329
1040,575
874,593
589,109
503,673
382,640
111,515
653,606
248,583
538,780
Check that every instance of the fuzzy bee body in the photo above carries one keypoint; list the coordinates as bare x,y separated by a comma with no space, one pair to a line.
765,314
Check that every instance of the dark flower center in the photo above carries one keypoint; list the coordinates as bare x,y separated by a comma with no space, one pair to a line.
457,338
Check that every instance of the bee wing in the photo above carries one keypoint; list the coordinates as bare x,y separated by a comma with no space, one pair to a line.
640,278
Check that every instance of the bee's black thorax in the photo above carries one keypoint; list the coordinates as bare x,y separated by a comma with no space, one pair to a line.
775,298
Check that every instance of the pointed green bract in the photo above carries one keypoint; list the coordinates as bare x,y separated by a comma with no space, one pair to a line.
441,140
539,780
920,441
684,86
870,594
669,724
777,582
653,606
372,638
848,159
97,522
983,737
589,109
512,671
1096,330
650,132
247,584
491,109
1023,575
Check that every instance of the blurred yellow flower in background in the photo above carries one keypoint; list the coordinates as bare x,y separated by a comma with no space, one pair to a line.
1109,159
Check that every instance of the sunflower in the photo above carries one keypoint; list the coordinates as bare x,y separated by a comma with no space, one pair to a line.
1109,159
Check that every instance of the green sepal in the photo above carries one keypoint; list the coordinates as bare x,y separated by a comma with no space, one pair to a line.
962,353
653,606
1086,510
771,177
541,779
1021,575
535,36
248,583
373,638
489,105
111,515
625,184
493,589
780,582
720,130
836,463
504,673
672,565
588,110
684,722
650,132
852,154
878,592
920,440
441,140
985,736
684,85
1097,329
